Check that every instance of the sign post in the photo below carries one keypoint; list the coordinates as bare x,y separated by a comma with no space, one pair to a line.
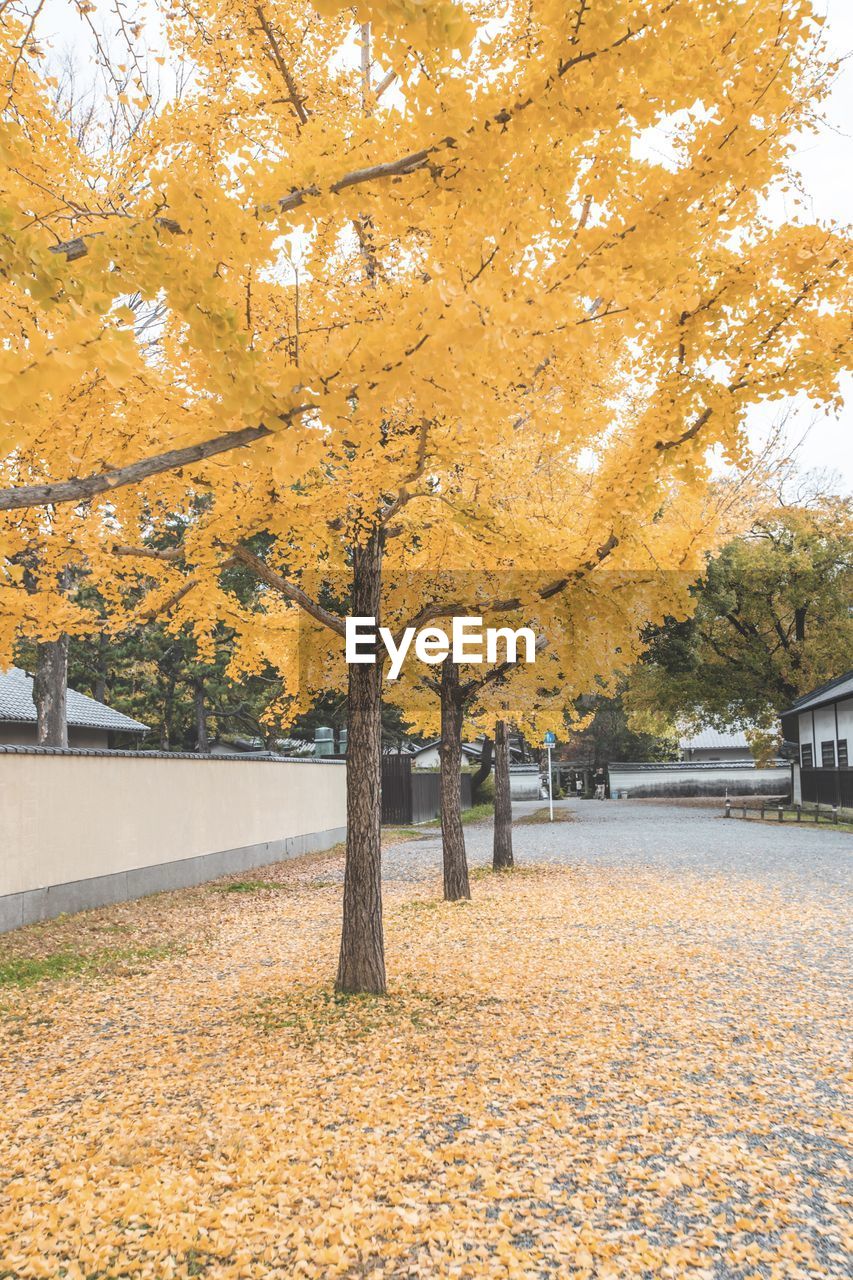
550,739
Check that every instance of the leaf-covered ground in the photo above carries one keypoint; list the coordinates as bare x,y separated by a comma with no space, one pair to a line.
586,1072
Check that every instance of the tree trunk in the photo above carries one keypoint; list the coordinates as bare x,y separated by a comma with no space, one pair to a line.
361,966
50,687
202,742
484,768
502,848
99,692
452,835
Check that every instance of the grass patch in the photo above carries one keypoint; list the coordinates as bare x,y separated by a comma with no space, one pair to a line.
26,971
245,886
477,813
542,815
395,835
311,1015
516,871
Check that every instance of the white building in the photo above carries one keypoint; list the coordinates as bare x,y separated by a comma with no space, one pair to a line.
820,724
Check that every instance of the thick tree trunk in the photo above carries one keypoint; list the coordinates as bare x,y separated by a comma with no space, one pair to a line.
202,742
452,834
361,967
50,687
484,768
502,848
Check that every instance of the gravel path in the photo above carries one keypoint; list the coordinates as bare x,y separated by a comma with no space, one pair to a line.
620,833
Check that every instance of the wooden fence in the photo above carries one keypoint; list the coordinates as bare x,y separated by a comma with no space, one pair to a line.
827,786
411,796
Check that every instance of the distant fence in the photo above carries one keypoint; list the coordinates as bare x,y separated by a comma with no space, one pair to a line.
699,778
760,811
80,829
410,796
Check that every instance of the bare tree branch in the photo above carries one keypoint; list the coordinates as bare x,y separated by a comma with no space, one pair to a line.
288,590
469,608
404,165
286,74
86,487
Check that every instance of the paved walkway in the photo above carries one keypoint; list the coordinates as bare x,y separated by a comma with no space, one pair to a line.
623,833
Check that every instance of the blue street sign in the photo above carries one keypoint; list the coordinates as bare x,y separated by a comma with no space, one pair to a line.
550,738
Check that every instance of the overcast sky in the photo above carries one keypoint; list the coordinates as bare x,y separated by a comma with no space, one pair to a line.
826,164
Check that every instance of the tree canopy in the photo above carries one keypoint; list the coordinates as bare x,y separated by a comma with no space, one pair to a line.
489,277
772,621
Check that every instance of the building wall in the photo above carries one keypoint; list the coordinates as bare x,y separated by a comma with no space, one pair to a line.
696,779
845,722
78,831
821,725
524,782
24,735
718,753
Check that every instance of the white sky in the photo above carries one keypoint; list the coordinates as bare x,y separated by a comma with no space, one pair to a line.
825,162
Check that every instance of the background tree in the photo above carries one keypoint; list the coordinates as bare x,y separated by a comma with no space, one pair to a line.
772,620
606,733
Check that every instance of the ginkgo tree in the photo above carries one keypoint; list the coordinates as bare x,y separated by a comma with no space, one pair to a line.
558,636
387,245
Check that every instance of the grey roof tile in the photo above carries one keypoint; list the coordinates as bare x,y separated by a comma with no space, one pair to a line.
17,706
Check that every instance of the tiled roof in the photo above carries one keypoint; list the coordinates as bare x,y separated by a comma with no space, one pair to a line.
832,691
713,740
17,706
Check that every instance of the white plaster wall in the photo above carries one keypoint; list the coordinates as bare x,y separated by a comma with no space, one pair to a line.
524,784
824,724
66,818
806,735
823,727
713,778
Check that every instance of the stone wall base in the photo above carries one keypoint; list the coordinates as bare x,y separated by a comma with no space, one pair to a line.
18,909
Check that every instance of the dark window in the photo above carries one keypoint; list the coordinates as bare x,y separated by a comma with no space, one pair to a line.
842,753
827,755
808,759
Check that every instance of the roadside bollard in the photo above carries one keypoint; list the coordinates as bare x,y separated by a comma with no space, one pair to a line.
762,810
781,814
743,815
728,812
835,813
